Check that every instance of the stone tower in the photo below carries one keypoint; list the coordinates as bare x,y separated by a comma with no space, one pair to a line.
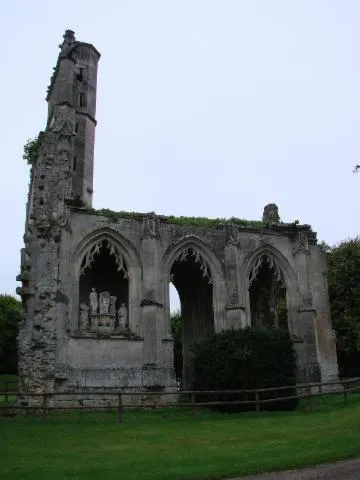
61,176
95,284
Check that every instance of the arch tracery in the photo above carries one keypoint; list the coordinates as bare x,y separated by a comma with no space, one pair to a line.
284,281
193,252
94,250
273,265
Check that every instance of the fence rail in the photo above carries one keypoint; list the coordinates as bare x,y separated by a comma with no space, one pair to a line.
345,387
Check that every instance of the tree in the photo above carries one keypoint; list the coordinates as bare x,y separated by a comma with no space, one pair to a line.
344,293
175,322
30,150
10,316
245,359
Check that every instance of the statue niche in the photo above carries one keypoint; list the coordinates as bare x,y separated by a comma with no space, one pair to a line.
103,291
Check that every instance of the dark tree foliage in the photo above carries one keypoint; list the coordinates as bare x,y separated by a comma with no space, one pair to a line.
10,315
30,151
344,292
175,321
246,359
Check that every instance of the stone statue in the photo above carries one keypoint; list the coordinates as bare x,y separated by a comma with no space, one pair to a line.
271,213
104,298
122,313
113,305
94,302
69,41
84,317
232,235
150,226
63,120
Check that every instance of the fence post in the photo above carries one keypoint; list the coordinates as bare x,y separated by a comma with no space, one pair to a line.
6,392
120,409
44,404
257,399
193,408
310,402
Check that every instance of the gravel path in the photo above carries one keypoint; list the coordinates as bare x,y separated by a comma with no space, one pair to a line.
345,470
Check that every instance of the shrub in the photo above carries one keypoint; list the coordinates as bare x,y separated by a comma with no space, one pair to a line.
246,359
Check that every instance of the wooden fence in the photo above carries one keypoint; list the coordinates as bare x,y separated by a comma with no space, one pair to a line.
307,391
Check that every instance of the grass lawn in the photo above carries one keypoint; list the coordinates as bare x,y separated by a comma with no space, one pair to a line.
169,444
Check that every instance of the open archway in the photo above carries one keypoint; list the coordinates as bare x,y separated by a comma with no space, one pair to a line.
267,293
190,275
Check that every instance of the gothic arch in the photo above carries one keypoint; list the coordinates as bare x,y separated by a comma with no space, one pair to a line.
127,260
282,268
199,278
209,264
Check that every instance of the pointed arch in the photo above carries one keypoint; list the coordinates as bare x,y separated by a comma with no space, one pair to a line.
283,270
124,245
199,279
209,264
125,258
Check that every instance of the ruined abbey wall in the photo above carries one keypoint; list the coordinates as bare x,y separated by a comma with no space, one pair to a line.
95,286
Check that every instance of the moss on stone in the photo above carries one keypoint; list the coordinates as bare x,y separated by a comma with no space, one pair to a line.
185,221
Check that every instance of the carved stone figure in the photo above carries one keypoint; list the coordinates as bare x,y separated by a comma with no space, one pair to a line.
63,120
150,224
302,245
69,41
123,314
113,305
104,298
271,213
84,317
94,303
232,235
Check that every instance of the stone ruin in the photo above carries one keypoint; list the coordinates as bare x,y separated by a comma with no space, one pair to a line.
95,284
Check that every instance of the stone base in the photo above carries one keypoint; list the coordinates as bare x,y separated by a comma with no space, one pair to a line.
100,388
103,323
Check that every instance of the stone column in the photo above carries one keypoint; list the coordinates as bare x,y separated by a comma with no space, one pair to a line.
158,345
308,367
236,311
325,335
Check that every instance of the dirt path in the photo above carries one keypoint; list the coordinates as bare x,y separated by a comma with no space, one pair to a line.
345,470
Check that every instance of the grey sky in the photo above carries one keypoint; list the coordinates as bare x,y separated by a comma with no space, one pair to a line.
205,108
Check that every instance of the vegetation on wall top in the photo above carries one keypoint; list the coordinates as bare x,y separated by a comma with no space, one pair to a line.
186,221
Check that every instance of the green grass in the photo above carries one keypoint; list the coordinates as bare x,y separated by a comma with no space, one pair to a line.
170,444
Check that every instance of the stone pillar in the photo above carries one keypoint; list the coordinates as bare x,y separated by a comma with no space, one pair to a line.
308,367
325,335
236,311
158,345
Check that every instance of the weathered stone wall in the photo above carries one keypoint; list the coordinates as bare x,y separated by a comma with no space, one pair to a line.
122,338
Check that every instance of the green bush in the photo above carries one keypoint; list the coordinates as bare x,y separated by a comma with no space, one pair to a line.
10,316
246,359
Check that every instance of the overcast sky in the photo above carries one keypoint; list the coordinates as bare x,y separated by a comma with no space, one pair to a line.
205,108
